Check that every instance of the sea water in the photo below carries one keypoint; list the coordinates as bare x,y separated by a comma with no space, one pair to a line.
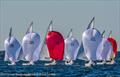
76,70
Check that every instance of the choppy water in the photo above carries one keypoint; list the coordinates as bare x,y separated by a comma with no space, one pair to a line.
76,70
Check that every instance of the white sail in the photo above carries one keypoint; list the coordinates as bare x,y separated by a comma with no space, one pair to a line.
44,54
30,28
81,54
30,43
104,50
91,39
21,57
71,48
36,54
12,49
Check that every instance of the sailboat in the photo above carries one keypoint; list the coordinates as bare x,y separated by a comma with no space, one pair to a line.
81,54
91,39
114,47
30,45
71,48
104,50
44,53
55,45
12,48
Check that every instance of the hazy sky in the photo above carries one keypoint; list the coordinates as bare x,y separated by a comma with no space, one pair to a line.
66,14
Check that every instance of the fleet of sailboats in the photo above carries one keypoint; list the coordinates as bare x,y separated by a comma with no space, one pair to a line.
94,47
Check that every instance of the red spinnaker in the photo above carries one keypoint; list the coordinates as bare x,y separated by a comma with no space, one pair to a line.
55,44
114,45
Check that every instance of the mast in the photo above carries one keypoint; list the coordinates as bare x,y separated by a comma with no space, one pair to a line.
70,33
10,34
110,34
103,33
30,28
92,23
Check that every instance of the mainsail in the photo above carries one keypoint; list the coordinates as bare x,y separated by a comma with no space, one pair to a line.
71,47
12,48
